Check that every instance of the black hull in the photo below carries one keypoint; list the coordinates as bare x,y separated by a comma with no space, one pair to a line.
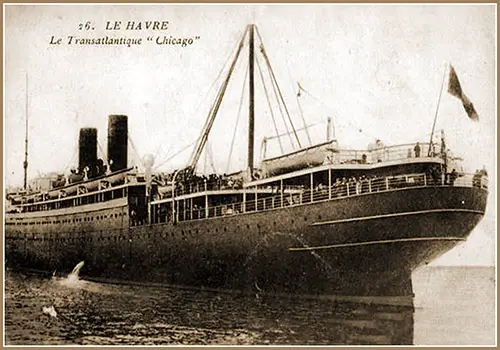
361,245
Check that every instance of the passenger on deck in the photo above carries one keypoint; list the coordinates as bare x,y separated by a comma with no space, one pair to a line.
133,218
453,177
417,150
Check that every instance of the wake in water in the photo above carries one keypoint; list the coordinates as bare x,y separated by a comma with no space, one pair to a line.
73,279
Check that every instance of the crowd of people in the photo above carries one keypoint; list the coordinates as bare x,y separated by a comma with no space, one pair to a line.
477,178
188,182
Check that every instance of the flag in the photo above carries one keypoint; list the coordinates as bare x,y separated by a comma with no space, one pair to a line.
455,89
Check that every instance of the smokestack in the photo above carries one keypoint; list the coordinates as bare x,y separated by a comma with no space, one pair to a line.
117,142
87,150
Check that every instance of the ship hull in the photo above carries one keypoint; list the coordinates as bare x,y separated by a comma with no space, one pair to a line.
361,245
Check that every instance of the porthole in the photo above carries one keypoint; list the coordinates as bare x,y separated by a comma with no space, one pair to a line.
292,221
248,226
319,217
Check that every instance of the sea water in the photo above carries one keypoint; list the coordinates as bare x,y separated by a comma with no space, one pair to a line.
452,305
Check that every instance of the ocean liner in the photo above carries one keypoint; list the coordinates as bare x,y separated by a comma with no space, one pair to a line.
319,220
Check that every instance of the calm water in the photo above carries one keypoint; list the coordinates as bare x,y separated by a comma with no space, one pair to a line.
452,306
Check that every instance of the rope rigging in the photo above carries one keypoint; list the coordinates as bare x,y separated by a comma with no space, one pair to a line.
237,121
176,154
288,132
135,154
282,107
211,156
219,74
268,63
302,115
357,127
269,104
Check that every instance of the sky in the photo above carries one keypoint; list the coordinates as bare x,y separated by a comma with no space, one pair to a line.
376,70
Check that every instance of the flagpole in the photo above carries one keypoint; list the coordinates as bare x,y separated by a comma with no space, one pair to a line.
25,163
437,109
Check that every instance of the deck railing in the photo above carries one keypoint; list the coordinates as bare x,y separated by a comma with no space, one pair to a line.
385,153
339,189
344,156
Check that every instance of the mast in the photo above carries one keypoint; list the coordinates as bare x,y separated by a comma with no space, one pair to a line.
25,163
251,111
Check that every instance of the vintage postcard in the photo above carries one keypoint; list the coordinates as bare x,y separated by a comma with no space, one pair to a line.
249,174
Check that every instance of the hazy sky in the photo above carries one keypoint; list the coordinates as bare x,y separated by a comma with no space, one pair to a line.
376,70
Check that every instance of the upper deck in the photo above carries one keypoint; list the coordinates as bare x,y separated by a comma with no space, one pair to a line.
78,197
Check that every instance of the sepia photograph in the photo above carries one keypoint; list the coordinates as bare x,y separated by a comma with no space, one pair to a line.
249,174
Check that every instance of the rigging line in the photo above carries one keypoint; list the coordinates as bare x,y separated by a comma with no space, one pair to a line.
205,157
164,155
176,154
237,119
283,134
297,96
269,103
275,83
103,155
334,112
266,58
137,158
219,74
211,117
158,150
237,48
316,99
75,151
437,107
281,110
218,97
278,103
211,156
207,125
302,115
238,34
